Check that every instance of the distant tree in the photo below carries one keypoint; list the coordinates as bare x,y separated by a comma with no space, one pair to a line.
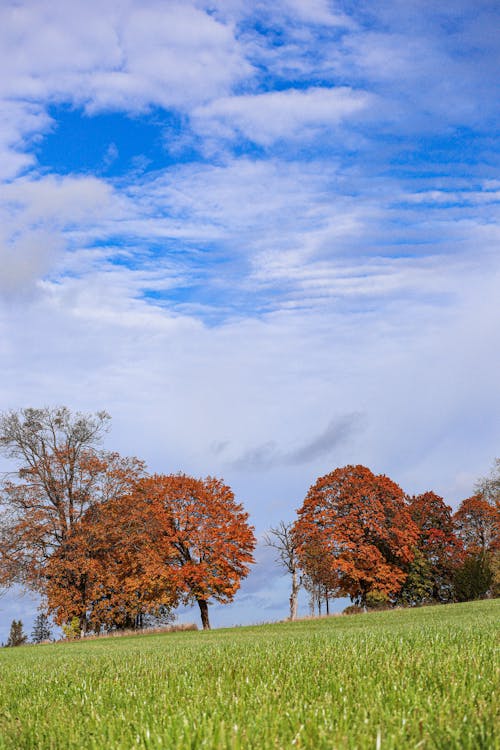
198,535
355,531
281,539
314,591
438,545
72,629
473,579
60,475
104,569
418,587
477,521
16,635
489,487
41,628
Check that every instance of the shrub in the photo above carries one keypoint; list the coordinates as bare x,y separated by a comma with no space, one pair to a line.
353,609
72,629
377,600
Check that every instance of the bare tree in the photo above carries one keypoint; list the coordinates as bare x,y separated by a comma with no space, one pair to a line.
314,591
489,487
280,538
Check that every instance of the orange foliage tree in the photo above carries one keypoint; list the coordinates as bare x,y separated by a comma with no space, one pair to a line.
198,537
103,572
478,526
170,539
477,521
355,531
440,552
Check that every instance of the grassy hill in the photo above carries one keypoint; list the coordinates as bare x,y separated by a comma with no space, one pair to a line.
425,678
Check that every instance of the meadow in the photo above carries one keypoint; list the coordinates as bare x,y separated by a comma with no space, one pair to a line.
422,678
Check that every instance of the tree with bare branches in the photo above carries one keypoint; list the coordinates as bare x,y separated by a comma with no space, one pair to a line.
60,474
281,539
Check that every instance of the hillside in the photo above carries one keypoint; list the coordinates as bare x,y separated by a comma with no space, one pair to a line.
421,678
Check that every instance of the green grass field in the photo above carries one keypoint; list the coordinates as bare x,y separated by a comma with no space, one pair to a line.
424,678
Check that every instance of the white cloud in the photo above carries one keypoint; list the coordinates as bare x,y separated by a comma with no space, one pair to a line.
136,56
36,219
265,118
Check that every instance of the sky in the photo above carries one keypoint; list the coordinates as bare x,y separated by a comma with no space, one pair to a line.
262,236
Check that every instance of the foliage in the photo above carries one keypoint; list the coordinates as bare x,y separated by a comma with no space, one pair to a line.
41,628
354,533
353,609
172,538
61,475
418,587
408,677
72,629
198,537
439,551
478,524
474,578
377,600
16,635
104,569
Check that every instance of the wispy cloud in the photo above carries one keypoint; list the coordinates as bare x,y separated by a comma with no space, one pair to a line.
269,455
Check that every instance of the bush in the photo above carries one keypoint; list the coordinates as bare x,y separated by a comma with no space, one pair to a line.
72,629
353,609
377,600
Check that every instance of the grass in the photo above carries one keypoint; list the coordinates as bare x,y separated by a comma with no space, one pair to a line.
424,678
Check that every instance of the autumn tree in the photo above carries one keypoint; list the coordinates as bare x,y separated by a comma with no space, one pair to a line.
439,551
105,569
358,525
199,537
61,473
477,522
280,538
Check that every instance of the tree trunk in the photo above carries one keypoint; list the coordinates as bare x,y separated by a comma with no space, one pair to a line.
204,614
83,626
294,596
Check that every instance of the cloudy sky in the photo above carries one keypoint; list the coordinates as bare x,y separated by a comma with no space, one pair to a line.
263,236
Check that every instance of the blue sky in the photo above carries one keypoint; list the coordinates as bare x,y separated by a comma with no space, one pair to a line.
263,236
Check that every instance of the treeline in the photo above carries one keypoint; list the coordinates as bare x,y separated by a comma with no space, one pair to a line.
358,534
105,544
108,546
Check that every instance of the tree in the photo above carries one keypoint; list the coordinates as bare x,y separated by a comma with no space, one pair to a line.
281,539
477,521
439,547
106,570
473,578
199,537
16,635
41,628
358,527
419,584
489,487
61,474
